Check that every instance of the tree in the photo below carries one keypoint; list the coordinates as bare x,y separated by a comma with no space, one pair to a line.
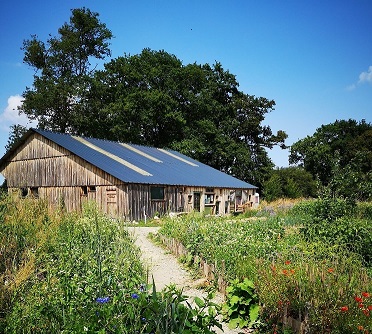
339,155
290,182
150,99
63,71
153,99
15,134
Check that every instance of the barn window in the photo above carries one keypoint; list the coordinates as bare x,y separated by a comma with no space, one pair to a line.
92,189
84,191
34,191
157,193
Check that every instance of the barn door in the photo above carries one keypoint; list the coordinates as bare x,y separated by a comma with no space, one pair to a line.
111,201
197,202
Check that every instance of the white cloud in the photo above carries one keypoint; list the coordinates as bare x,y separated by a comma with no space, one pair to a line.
366,76
351,87
11,115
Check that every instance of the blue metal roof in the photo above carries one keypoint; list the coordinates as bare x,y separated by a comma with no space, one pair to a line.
142,164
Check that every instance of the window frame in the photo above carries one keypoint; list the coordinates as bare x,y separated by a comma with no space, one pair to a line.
157,193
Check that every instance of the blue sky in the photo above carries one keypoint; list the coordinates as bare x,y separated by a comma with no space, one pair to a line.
314,58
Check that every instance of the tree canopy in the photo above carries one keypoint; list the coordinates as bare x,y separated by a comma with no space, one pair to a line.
63,70
339,155
151,98
291,182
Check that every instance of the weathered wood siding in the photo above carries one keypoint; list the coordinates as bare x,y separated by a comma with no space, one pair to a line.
44,168
42,163
140,202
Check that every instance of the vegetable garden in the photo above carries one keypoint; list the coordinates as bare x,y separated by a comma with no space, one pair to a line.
78,273
312,262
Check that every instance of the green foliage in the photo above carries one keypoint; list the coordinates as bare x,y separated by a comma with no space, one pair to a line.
364,210
311,275
63,71
241,308
153,99
291,182
231,245
150,98
336,222
15,134
315,281
81,273
339,155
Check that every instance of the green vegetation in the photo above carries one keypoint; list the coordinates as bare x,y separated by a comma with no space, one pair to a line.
291,182
79,273
241,308
312,261
339,155
150,98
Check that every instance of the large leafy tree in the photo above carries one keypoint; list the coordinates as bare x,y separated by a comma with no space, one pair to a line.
153,99
150,98
290,182
63,69
339,155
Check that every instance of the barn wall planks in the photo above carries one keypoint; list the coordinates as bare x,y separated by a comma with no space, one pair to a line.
41,163
41,167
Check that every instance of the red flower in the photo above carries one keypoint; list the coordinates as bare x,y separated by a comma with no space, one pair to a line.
369,307
360,305
287,262
366,312
358,299
331,270
360,328
285,272
344,309
366,294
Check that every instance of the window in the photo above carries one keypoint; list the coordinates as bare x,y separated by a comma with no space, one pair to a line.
209,196
92,189
34,192
157,193
209,199
84,191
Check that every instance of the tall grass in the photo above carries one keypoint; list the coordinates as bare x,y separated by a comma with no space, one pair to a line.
77,273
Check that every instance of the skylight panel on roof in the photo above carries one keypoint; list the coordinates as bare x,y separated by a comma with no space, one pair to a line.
112,156
177,157
140,152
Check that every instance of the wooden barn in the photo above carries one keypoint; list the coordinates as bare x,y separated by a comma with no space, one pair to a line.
127,181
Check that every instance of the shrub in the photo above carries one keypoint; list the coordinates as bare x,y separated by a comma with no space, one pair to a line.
335,222
241,308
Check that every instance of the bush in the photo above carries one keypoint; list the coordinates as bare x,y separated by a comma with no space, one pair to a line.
336,222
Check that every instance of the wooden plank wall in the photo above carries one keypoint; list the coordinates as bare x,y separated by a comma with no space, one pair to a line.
42,163
140,202
62,177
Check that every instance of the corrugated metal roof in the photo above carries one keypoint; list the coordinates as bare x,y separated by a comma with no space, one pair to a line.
142,164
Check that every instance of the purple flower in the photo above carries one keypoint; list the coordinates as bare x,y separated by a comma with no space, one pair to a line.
103,300
134,296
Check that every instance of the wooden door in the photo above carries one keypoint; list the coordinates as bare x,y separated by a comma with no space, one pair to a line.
197,202
111,201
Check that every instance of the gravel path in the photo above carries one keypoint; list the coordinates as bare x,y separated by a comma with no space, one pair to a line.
166,270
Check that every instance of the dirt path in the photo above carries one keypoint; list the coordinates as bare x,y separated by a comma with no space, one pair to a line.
166,270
